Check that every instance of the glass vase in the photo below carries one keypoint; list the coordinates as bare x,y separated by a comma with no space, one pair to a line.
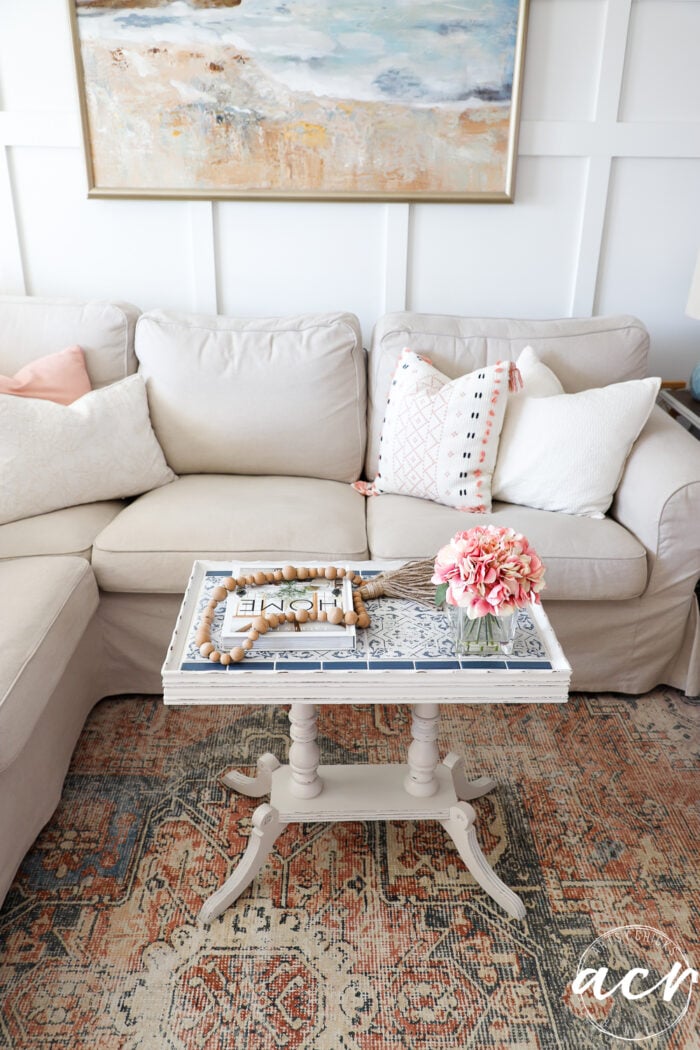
482,636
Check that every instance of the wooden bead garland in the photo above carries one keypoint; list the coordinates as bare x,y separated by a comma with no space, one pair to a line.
261,624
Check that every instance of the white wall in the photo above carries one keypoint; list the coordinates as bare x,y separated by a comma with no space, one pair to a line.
606,219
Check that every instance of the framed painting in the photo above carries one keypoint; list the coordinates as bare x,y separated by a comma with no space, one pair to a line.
307,99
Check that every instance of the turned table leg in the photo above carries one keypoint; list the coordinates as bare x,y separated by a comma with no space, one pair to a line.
423,754
304,753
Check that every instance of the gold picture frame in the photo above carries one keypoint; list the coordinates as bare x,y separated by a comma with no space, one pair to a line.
300,99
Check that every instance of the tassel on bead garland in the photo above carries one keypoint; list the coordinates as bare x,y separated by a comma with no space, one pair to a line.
411,581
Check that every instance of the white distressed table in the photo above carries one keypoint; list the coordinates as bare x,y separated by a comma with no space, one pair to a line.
406,655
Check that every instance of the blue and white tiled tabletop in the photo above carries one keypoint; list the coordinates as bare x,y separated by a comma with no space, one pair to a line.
404,638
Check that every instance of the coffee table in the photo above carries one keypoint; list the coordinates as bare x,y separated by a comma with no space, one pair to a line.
406,655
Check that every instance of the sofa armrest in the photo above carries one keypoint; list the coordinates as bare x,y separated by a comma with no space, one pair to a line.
658,500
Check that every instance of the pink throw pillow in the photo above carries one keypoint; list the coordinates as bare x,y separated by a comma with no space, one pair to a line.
60,377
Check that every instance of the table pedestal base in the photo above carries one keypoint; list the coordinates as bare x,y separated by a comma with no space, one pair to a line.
421,790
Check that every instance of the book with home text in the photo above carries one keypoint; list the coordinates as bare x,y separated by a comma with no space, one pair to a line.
318,595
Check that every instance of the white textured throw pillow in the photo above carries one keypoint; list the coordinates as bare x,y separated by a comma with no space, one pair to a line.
100,447
538,380
440,436
567,452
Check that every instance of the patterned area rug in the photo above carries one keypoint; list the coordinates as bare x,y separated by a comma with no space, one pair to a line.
357,936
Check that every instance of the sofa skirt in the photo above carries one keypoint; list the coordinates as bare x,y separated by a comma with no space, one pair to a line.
621,647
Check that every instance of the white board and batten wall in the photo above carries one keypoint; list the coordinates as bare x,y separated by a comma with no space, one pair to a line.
606,217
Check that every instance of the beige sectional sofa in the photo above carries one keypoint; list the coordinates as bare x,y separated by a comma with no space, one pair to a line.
266,423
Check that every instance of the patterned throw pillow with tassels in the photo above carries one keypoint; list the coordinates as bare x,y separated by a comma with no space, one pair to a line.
440,437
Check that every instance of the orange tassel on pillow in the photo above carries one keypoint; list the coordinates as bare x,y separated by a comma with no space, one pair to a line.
515,380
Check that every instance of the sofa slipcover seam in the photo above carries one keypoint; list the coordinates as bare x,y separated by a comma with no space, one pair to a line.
671,496
362,445
29,659
550,558
125,351
84,554
676,491
53,621
246,331
512,338
179,550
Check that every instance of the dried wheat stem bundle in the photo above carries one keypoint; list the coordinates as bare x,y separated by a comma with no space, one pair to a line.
411,580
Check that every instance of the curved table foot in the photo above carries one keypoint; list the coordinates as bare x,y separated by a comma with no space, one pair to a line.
460,827
266,828
257,786
466,790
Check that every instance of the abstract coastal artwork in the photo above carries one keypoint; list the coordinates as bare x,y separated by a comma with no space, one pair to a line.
369,99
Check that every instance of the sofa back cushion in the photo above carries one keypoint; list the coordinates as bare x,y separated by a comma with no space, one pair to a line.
31,327
232,395
583,353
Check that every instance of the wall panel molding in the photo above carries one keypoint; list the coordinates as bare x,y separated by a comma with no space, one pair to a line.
590,245
12,278
396,256
204,276
595,201
35,128
608,139
612,60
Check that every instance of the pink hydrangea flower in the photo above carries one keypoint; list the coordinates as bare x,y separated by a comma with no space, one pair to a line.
489,570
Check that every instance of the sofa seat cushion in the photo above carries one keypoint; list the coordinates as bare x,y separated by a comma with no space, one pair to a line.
151,546
46,606
68,531
585,558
